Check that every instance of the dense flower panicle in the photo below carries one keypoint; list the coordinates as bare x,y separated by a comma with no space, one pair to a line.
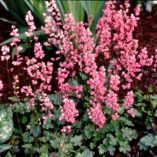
133,69
28,91
115,29
81,56
96,114
46,105
144,60
68,111
114,82
52,23
112,100
14,34
129,100
96,83
5,56
30,21
40,71
38,51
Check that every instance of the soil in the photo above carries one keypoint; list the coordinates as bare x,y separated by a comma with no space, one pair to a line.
5,29
146,31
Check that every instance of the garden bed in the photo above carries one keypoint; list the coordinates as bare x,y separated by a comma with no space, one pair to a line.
146,33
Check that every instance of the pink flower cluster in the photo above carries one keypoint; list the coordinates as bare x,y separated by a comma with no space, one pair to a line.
96,114
38,73
47,106
30,21
82,58
14,34
1,87
5,56
121,66
68,111
38,51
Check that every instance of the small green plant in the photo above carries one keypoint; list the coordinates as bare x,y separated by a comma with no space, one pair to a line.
6,127
146,121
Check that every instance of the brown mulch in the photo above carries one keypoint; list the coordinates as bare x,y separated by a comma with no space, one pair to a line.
5,29
146,32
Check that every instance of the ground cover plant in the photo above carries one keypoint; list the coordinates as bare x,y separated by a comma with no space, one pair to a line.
76,92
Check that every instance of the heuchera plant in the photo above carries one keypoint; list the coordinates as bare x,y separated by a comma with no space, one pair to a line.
110,60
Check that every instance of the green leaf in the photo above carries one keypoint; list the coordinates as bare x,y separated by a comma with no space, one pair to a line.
25,46
13,52
155,113
153,100
102,149
146,142
24,119
155,140
89,131
121,110
44,151
62,11
129,133
6,124
111,127
124,147
150,89
84,77
55,143
14,99
76,140
97,11
73,7
8,154
4,147
56,98
35,131
15,11
22,8
28,148
4,5
93,145
27,137
73,81
125,121
87,153
111,139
